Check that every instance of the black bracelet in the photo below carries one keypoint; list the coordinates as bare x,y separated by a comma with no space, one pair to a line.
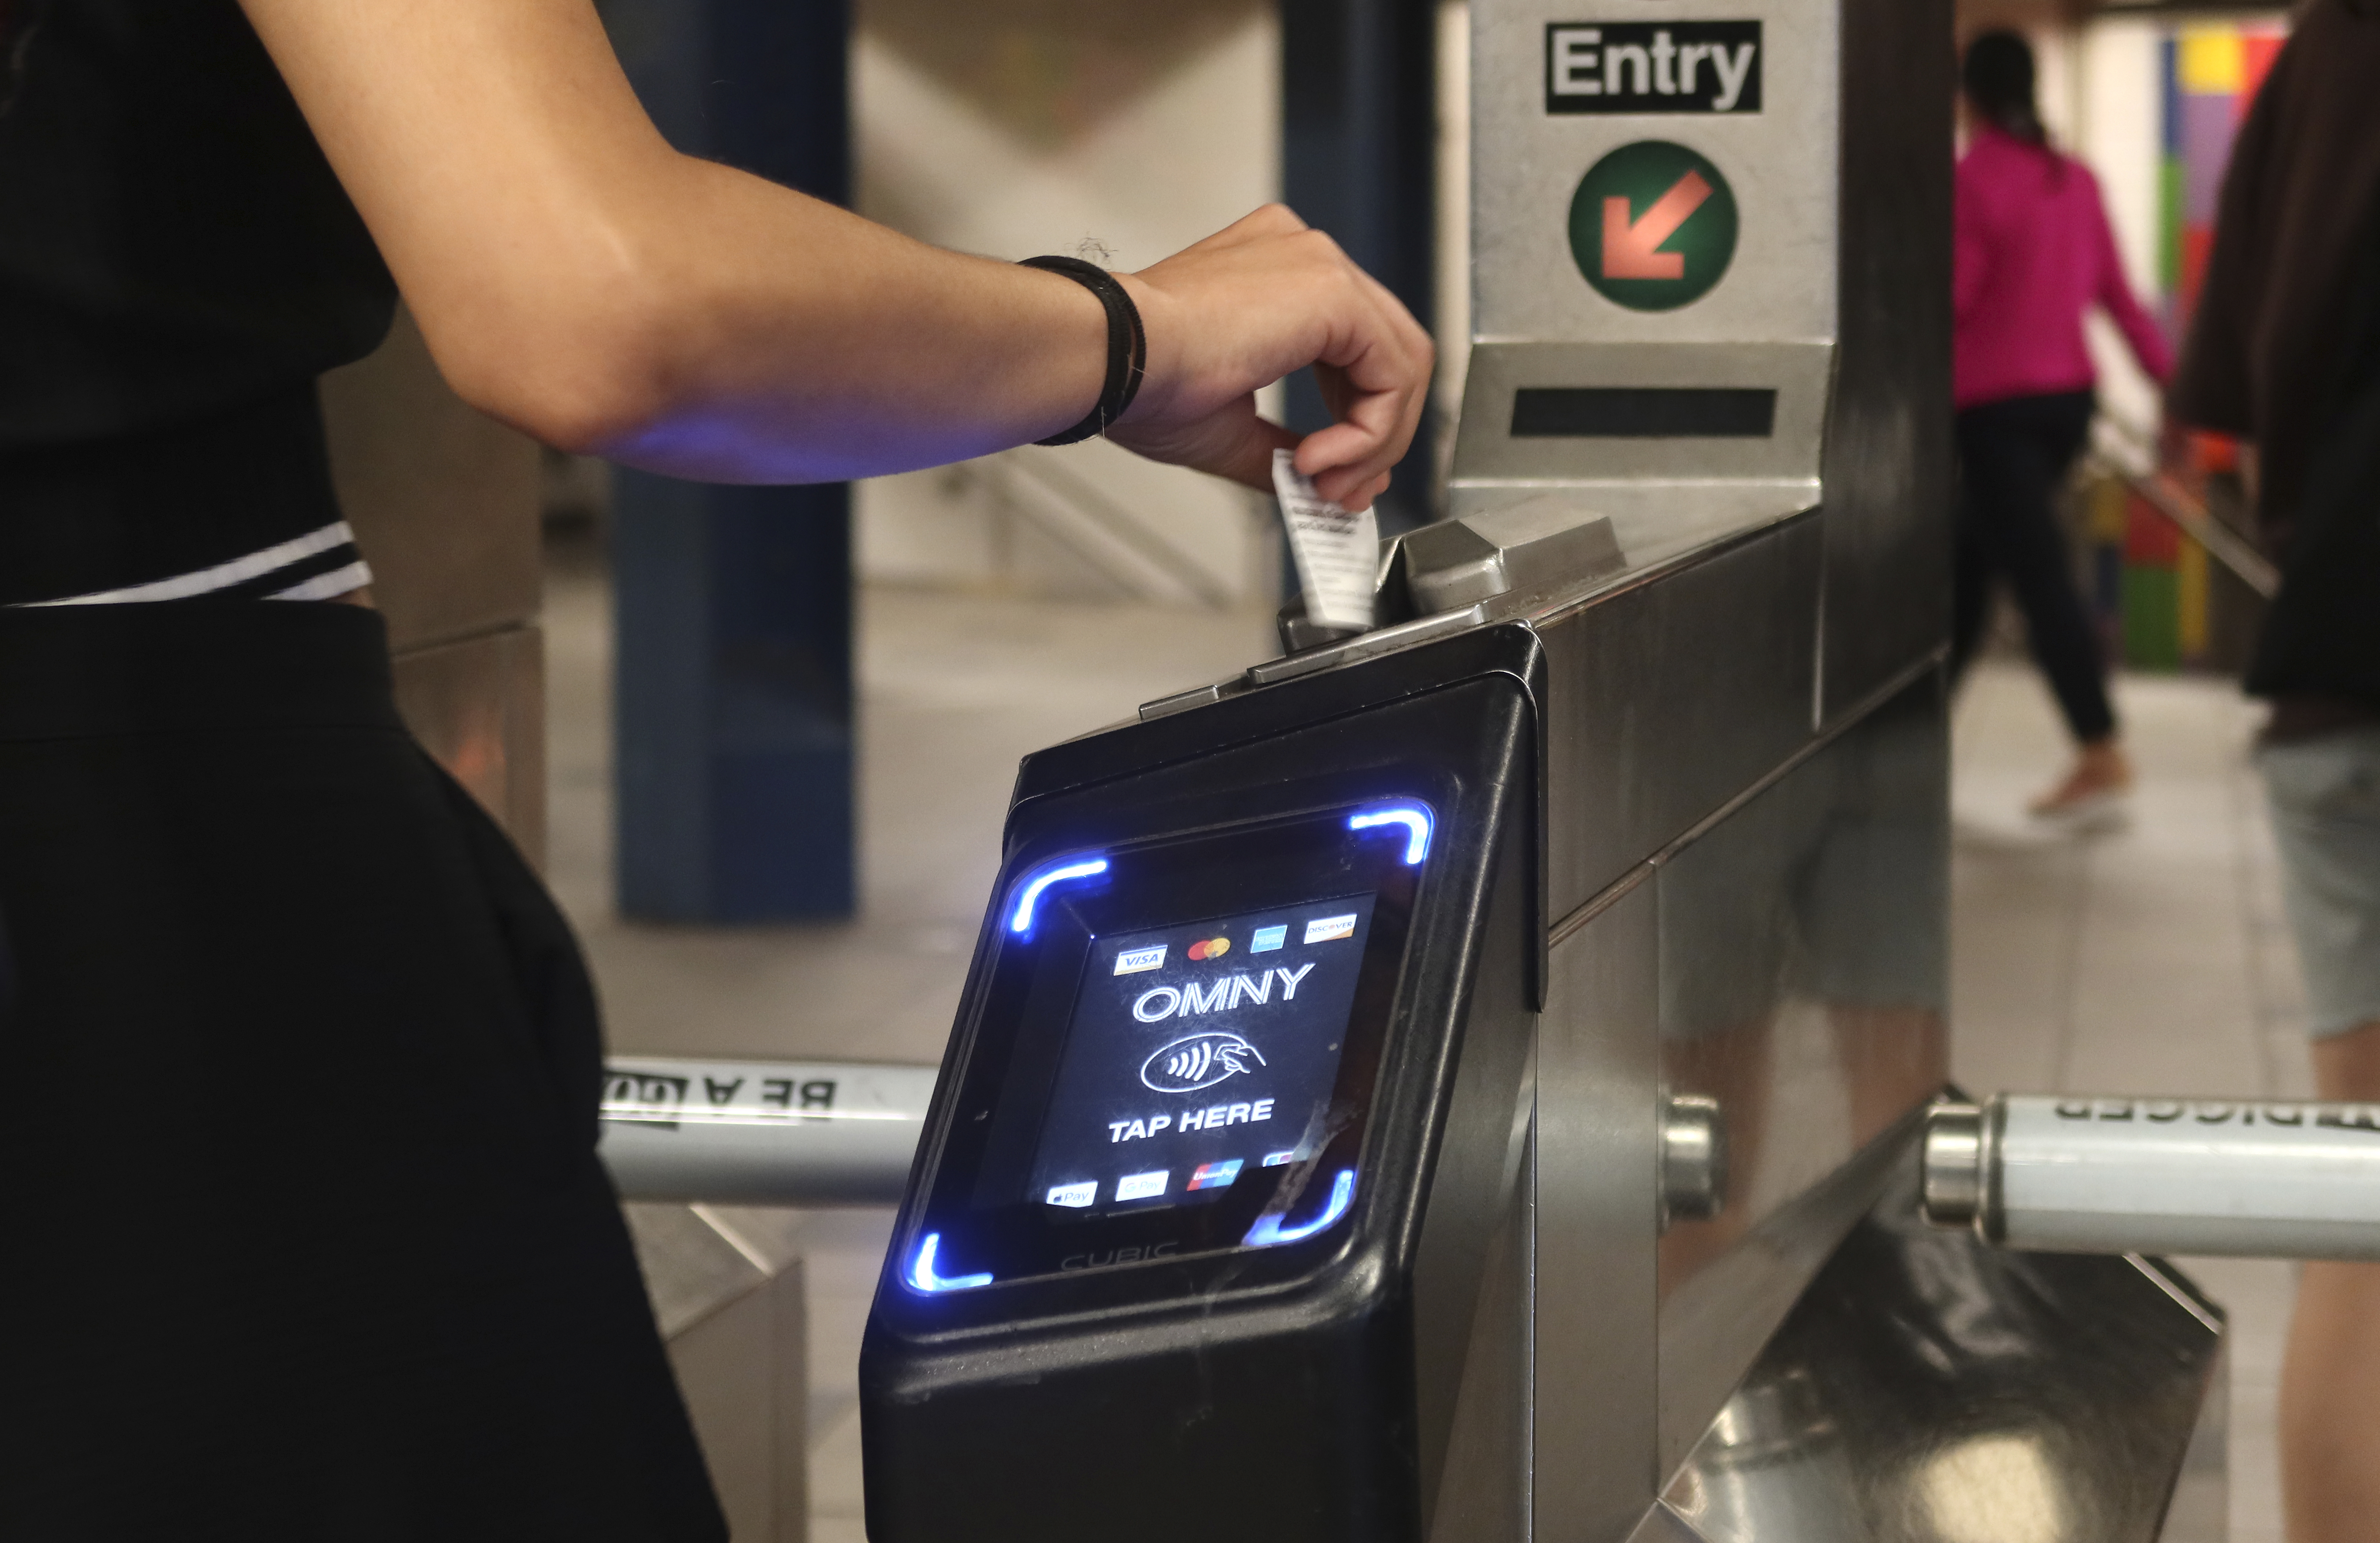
1127,346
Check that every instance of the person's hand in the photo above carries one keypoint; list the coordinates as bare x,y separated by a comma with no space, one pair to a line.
1249,305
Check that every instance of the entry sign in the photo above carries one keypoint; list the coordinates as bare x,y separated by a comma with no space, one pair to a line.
1646,66
1652,226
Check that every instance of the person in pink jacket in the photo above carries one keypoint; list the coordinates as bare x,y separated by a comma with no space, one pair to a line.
2033,254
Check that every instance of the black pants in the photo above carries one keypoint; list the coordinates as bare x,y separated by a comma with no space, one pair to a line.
306,1238
2013,457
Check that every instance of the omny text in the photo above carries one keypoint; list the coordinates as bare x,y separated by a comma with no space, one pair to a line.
1220,994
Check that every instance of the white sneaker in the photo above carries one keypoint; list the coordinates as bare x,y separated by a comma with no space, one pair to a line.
2108,811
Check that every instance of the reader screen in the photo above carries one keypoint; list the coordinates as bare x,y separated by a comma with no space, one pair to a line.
1175,1048
1197,1055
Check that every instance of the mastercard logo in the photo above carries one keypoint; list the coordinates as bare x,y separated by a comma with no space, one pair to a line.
1214,948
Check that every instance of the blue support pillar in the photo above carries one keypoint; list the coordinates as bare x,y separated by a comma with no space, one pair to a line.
1359,159
733,720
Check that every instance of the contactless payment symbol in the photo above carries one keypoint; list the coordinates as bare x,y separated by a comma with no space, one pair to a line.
1652,225
1199,1060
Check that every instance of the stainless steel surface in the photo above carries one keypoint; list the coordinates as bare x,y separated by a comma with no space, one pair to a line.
444,499
1803,974
1780,162
1472,1282
1483,1484
1787,457
1887,467
478,705
1714,1322
2114,1175
762,1133
1660,492
1542,541
1592,1462
1954,1156
734,1314
1367,645
1181,701
1834,298
1298,632
2201,1509
444,504
1693,1157
1930,1389
1666,699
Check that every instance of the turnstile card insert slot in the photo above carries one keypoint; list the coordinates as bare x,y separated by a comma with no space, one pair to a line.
1643,412
1176,1051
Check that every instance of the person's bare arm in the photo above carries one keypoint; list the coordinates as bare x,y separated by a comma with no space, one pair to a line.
581,280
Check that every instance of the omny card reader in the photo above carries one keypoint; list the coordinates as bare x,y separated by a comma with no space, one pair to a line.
1193,1243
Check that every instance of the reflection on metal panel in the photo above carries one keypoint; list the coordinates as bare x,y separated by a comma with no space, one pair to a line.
1666,699
1887,448
1802,983
1483,1488
1595,1349
444,501
734,1314
479,707
1930,1389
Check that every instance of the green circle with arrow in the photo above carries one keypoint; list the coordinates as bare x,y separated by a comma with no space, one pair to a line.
1652,225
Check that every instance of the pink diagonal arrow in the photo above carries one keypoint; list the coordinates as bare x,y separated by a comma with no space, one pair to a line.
1629,250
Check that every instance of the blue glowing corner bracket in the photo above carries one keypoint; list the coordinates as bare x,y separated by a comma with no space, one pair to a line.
1413,817
1028,892
922,1276
1268,1230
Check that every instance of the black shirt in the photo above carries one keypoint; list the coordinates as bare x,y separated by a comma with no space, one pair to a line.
2285,350
178,264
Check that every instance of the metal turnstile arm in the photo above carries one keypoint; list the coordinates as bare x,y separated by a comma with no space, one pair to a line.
2130,1176
762,1133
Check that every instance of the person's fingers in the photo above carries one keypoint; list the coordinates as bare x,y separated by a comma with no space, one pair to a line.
1380,389
1343,489
1232,441
1253,303
1373,426
1249,462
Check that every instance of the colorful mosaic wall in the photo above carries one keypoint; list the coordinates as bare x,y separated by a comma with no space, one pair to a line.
2151,585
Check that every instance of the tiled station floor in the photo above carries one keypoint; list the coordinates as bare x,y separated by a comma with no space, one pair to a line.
2151,961
2147,961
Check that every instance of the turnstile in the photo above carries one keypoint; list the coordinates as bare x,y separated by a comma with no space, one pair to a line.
2064,1174
1462,1081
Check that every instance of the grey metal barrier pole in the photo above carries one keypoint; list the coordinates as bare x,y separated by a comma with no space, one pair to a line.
762,1133
2131,1175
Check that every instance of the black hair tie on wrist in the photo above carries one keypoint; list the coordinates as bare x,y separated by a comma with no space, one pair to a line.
1127,346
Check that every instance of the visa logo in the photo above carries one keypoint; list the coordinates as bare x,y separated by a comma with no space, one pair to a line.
1132,961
